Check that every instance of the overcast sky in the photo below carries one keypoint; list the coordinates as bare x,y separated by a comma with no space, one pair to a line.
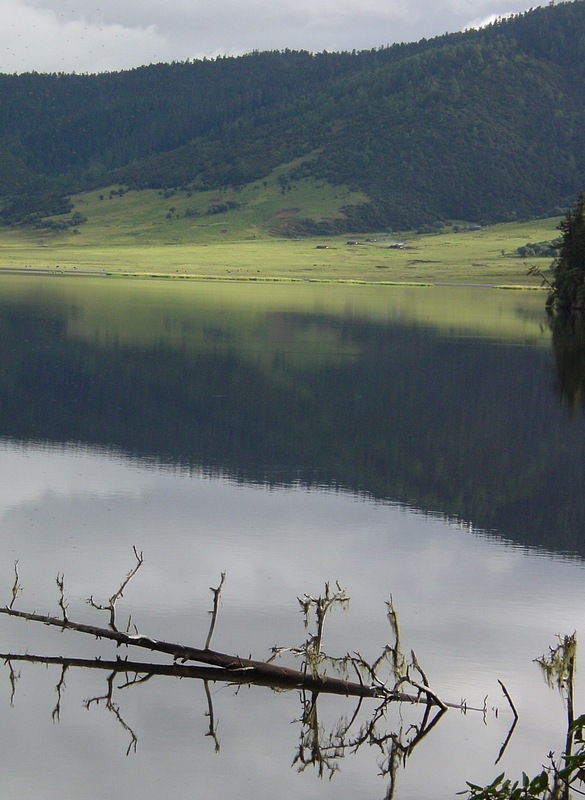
102,35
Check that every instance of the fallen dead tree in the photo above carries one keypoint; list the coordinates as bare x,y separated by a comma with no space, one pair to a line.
391,678
224,666
234,668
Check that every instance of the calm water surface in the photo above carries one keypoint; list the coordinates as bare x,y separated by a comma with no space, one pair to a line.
424,444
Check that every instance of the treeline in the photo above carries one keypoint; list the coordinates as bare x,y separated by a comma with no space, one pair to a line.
484,125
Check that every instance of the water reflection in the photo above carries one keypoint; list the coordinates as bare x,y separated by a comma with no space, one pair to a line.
405,442
320,746
304,388
568,336
80,513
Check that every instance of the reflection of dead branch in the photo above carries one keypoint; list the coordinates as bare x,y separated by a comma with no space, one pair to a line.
12,676
395,747
372,735
323,749
59,689
111,606
506,740
212,727
512,726
277,680
394,760
115,710
317,747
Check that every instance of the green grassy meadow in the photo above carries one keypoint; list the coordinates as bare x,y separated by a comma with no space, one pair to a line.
175,234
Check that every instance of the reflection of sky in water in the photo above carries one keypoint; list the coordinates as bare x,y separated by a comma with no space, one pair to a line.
474,610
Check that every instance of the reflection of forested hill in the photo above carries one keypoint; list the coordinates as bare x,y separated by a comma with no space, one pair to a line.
461,427
568,336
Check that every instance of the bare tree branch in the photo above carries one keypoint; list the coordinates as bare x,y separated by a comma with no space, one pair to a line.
216,596
250,670
111,606
16,587
234,664
62,603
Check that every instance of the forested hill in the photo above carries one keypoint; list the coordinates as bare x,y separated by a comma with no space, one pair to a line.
484,125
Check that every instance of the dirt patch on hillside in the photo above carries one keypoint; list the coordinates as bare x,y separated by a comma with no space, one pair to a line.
287,212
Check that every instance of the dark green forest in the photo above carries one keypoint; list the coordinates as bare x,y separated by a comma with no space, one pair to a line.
486,125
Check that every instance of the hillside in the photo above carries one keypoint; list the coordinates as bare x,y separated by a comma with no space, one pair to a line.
482,126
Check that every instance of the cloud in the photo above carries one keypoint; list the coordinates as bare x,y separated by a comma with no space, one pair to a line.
101,35
45,40
483,22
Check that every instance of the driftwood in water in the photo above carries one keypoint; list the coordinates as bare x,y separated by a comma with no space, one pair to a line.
225,666
236,669
318,746
228,667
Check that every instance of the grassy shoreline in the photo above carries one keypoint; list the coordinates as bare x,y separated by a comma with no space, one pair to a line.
485,256
58,271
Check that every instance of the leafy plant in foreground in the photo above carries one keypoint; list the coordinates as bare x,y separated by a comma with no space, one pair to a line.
559,780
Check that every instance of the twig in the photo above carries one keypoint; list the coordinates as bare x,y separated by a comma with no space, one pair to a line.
418,668
398,660
111,607
322,604
509,699
16,587
62,604
216,596
424,689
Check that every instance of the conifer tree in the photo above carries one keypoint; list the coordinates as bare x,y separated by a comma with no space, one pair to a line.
568,286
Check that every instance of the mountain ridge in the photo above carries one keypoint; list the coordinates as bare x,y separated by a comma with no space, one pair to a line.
485,125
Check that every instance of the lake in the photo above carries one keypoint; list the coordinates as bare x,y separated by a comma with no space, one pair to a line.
421,444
